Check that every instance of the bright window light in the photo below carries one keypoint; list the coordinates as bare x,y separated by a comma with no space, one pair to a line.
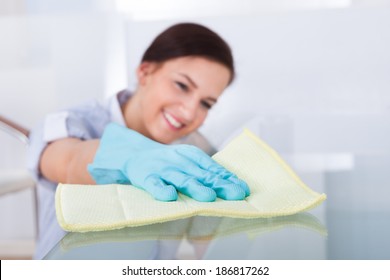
172,9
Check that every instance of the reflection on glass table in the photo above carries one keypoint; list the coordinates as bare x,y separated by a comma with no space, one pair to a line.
353,223
192,238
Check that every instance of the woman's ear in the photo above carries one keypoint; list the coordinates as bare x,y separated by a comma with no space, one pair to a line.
143,70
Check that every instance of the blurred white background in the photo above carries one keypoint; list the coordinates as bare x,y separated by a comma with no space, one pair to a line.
313,80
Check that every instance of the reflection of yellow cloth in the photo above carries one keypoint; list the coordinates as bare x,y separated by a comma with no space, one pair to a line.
193,229
275,191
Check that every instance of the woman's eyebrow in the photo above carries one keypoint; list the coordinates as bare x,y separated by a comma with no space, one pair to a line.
189,79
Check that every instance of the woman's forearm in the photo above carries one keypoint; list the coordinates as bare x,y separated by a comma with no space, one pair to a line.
66,160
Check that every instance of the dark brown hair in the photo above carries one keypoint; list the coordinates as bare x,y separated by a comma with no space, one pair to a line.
190,39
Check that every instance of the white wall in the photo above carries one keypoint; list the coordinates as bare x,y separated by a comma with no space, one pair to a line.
51,62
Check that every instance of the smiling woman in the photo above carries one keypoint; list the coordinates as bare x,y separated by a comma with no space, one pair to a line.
181,76
133,137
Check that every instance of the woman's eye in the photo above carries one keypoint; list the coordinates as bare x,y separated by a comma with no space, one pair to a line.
182,86
206,105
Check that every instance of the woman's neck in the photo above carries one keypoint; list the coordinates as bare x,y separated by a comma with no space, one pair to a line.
130,113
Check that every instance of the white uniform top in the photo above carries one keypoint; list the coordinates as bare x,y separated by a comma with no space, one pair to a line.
85,122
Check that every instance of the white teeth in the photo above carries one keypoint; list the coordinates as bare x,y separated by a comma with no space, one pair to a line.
172,120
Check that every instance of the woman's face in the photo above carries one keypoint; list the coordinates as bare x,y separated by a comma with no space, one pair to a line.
174,97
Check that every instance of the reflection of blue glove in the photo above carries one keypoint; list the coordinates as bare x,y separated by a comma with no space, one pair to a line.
127,157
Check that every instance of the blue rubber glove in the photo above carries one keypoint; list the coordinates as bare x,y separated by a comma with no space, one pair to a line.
125,156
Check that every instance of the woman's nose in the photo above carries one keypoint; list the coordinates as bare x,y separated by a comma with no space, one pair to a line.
189,109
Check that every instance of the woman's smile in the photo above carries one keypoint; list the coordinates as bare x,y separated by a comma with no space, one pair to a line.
172,121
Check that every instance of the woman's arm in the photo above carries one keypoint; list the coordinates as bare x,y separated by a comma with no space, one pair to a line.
66,160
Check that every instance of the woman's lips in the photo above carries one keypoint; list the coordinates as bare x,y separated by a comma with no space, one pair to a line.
172,121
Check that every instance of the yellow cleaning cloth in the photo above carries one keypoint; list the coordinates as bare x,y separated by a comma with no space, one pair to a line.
275,191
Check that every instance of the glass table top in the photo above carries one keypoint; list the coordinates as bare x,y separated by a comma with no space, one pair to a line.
353,223
342,235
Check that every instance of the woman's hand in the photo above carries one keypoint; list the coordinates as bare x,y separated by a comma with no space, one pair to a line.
125,156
